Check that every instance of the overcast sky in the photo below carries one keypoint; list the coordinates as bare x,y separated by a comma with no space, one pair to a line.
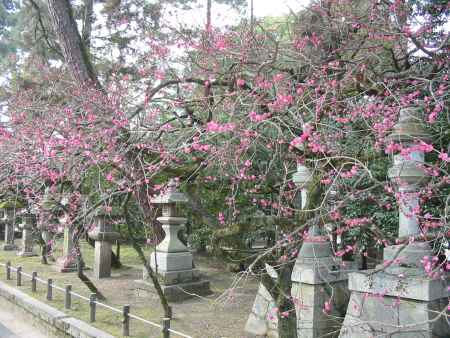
277,7
222,15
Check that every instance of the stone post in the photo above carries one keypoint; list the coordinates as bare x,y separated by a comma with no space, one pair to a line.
68,262
172,260
42,225
316,271
10,215
104,236
317,278
27,225
398,298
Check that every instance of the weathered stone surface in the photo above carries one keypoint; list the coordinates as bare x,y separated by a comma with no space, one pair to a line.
256,325
171,261
411,255
66,264
174,277
263,317
27,242
262,290
171,243
315,250
310,299
260,306
102,259
103,235
9,244
415,285
369,316
272,334
318,270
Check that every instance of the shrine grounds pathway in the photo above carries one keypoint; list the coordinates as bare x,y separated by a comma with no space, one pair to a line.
208,317
14,324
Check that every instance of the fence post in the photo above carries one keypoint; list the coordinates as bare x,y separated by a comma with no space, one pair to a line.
126,321
165,328
49,289
68,297
8,270
33,281
92,300
19,276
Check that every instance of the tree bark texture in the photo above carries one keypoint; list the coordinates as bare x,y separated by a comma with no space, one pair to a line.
72,46
87,22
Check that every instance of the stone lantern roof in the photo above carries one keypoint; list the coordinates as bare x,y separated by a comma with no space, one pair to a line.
171,195
302,176
409,127
408,172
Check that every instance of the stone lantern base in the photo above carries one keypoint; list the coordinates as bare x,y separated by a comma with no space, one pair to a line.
178,279
409,309
23,253
316,278
63,264
396,301
9,247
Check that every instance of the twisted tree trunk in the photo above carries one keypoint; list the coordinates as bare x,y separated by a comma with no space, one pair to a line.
74,50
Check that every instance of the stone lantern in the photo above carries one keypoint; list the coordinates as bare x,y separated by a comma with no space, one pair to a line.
8,219
68,262
27,225
415,300
302,178
408,174
316,271
172,260
104,236
43,219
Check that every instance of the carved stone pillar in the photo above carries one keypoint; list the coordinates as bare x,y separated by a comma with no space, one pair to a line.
104,236
317,278
27,225
399,298
172,260
8,219
68,262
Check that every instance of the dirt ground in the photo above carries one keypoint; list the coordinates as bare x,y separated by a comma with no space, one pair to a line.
220,315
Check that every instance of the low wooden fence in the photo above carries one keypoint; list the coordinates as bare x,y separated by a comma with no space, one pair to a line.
92,301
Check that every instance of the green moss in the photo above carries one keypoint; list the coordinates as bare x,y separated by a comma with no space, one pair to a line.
12,204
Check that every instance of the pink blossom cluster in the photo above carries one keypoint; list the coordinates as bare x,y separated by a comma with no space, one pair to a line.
216,127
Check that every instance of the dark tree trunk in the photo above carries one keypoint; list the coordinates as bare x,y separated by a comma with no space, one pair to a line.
87,22
116,257
153,276
74,51
81,69
44,251
85,279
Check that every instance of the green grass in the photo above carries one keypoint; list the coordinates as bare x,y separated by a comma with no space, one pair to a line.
106,319
203,318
